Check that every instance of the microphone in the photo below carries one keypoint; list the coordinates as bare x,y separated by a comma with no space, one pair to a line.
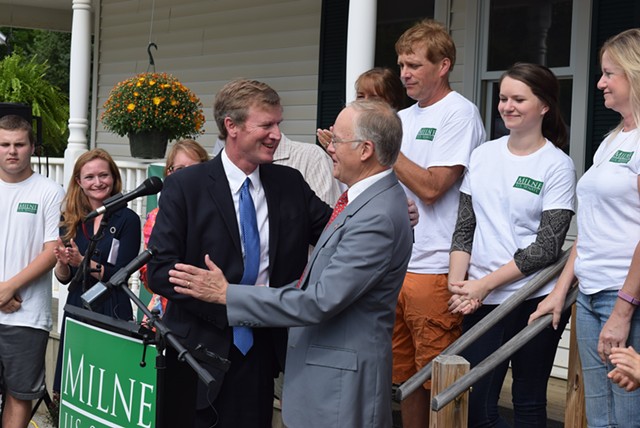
96,294
150,186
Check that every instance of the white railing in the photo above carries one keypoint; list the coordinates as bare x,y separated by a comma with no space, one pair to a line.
132,173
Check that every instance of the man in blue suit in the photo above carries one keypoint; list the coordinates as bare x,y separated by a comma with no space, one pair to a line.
341,311
199,216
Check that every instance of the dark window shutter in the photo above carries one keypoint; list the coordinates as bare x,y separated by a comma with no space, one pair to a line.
333,59
610,17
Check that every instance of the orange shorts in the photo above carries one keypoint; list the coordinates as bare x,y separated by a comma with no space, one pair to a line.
424,327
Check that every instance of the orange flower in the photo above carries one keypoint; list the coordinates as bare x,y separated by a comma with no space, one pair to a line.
138,104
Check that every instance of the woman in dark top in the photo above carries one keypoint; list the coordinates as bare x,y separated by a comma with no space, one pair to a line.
95,178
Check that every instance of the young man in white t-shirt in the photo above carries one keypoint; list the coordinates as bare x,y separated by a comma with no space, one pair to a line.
439,133
30,212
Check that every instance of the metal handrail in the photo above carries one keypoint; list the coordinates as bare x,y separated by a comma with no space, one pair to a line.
505,351
537,282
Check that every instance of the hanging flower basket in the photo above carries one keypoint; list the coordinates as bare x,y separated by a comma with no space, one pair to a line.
150,104
148,144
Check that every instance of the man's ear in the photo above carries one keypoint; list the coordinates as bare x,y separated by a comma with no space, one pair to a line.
445,66
230,125
367,150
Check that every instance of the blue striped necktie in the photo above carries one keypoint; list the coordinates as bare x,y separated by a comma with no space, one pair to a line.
243,336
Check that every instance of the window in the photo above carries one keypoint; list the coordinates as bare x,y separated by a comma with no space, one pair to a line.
536,31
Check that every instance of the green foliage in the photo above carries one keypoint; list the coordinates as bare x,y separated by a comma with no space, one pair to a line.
23,81
52,47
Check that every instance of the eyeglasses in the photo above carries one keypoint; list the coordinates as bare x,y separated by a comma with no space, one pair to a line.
336,141
174,168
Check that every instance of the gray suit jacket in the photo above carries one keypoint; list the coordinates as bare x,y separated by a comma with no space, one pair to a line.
338,368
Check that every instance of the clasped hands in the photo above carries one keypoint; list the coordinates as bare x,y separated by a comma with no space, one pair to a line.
208,285
68,254
467,296
10,301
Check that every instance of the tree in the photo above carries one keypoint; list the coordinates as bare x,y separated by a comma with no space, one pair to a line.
51,49
23,81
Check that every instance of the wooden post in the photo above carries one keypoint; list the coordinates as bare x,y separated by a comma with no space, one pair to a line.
446,370
574,412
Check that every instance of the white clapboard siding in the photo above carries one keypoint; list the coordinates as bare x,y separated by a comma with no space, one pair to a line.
207,43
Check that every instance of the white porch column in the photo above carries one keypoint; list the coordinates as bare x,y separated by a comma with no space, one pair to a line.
361,41
79,75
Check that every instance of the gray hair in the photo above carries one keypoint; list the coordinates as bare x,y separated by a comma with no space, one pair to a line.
378,122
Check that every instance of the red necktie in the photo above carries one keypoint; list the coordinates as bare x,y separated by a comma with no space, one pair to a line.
342,202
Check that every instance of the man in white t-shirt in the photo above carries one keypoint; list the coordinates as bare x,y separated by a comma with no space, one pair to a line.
30,212
439,133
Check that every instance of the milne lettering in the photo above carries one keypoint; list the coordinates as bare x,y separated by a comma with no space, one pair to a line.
105,392
529,184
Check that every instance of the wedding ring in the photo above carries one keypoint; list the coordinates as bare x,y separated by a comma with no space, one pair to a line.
189,284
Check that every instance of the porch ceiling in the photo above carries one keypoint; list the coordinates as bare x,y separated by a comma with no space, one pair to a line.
42,14
47,4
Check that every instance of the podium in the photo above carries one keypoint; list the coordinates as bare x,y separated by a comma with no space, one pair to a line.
106,381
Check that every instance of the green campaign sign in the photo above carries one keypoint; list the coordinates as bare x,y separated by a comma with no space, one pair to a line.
103,384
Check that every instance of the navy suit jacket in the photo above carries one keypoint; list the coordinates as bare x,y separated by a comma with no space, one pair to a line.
197,217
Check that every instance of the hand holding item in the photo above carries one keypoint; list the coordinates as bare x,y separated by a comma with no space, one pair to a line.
208,285
74,257
552,304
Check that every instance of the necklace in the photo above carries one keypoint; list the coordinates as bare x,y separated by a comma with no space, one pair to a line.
616,147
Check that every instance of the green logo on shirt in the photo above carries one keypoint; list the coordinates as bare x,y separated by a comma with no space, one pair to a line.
26,207
621,157
529,184
426,134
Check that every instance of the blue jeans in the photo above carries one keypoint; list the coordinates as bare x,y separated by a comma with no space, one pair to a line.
607,405
530,366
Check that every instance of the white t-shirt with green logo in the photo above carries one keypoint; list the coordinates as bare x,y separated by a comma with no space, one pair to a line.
509,194
608,214
29,217
443,134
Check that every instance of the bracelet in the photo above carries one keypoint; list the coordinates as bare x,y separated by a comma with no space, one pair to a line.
628,298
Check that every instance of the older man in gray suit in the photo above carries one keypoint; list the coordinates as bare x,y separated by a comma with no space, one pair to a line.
341,311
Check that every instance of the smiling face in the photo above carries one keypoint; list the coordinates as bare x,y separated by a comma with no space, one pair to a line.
96,181
344,148
519,108
615,86
15,155
253,142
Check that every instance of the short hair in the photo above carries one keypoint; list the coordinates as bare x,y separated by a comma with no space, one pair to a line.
76,204
12,122
433,36
624,50
545,86
377,121
384,83
191,147
236,97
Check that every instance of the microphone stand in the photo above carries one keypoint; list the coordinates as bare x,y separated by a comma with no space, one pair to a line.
164,336
81,277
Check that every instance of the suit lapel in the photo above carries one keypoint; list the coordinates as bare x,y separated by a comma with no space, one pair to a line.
353,207
220,194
